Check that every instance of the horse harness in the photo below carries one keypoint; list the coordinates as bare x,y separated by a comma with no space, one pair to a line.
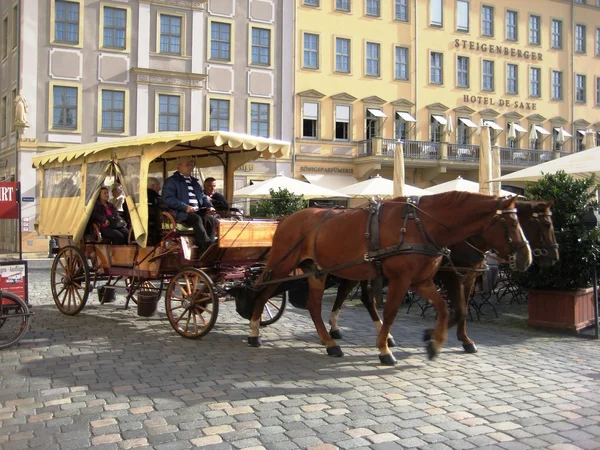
543,249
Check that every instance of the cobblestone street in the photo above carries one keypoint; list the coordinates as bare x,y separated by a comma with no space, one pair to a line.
112,380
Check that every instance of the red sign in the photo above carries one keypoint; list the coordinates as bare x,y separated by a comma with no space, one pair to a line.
9,206
13,278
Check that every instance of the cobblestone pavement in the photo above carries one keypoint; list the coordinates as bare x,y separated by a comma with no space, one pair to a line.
111,380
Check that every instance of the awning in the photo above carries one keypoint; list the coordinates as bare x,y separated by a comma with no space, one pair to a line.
440,119
405,116
565,132
329,181
493,125
583,132
342,113
376,112
310,111
467,122
541,130
519,128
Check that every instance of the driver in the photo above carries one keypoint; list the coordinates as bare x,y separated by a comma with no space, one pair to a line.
182,193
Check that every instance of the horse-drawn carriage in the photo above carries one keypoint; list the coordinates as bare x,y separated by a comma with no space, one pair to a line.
194,281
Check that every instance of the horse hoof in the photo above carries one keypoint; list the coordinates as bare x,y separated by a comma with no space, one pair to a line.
335,351
470,348
431,350
387,360
254,341
391,342
335,334
427,335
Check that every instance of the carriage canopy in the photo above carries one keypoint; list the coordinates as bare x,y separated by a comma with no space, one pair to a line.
71,178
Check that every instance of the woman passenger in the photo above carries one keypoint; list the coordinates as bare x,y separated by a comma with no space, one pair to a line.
102,214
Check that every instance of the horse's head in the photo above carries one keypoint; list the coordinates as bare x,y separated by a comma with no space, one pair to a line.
505,235
536,219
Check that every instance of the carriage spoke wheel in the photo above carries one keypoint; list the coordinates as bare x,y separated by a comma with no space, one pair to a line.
70,280
14,319
191,303
273,309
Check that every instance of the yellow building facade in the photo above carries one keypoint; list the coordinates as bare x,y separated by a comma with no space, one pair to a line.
373,73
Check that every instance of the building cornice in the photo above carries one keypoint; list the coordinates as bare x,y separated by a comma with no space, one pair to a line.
343,97
374,100
182,4
536,118
558,120
311,93
437,107
513,115
489,113
581,123
464,110
168,78
403,103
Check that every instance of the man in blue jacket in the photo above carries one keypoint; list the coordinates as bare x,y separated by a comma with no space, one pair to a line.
183,193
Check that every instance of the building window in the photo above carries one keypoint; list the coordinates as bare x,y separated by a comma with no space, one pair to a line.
342,55
115,27
372,59
342,5
462,15
598,41
580,141
373,8
401,72
66,22
260,119
5,38
488,76
15,20
462,132
511,26
462,72
402,125
310,116
435,129
113,111
169,109
3,117
534,30
311,2
220,41
261,46
534,82
597,90
311,51
219,115
64,114
342,122
556,33
556,85
373,125
436,72
401,10
487,20
435,13
580,94
580,38
170,34
512,79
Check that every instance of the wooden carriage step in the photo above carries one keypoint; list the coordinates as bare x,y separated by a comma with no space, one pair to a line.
237,234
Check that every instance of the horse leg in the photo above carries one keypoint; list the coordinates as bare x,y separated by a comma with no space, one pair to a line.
436,337
368,299
315,295
259,305
457,288
396,291
343,291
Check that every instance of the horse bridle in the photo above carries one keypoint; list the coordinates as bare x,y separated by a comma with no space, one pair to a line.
512,257
544,248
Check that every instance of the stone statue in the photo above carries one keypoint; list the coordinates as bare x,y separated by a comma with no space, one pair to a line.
21,109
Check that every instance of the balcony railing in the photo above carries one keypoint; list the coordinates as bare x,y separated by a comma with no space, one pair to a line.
454,152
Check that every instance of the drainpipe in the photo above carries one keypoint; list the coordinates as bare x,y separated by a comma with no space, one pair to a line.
19,41
415,51
573,78
294,101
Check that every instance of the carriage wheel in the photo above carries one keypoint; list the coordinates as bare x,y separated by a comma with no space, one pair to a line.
70,280
273,309
191,303
14,319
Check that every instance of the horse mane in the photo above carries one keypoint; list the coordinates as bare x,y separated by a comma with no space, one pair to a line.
450,196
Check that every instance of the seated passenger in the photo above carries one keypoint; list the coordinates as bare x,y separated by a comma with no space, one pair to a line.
106,216
118,197
217,199
155,206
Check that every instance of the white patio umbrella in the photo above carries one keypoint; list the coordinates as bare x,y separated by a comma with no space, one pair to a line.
485,160
449,125
495,186
309,191
561,138
589,140
512,133
580,165
460,184
398,182
533,135
378,186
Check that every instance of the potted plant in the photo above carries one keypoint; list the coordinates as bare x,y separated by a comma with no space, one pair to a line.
561,296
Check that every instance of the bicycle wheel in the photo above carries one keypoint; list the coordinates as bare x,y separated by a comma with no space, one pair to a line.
14,319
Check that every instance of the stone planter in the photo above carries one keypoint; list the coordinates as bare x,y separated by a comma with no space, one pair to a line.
568,311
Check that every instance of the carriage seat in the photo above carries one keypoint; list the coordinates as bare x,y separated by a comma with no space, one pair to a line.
168,223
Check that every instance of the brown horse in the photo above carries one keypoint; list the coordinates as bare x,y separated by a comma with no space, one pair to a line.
535,219
411,239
